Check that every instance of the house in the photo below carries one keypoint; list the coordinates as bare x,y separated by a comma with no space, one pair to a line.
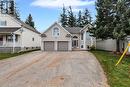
17,36
57,38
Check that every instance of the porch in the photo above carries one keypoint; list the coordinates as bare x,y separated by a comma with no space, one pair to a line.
9,42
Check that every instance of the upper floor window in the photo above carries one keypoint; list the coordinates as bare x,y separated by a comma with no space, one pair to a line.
3,23
56,32
82,36
32,39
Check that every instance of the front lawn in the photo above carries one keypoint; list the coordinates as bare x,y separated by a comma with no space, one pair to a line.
117,76
9,55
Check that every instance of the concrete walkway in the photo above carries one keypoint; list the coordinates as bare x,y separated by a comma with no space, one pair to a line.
52,69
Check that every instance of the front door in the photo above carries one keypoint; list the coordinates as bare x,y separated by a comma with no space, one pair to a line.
75,44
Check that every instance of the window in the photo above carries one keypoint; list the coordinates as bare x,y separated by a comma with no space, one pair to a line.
3,23
32,39
9,38
56,32
82,35
75,37
82,46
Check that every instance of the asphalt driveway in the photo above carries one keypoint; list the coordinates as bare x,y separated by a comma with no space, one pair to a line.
52,69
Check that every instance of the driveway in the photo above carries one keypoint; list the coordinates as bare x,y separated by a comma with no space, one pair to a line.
52,69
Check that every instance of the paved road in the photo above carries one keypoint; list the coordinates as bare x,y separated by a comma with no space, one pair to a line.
52,69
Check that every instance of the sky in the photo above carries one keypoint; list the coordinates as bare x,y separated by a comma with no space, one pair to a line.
46,12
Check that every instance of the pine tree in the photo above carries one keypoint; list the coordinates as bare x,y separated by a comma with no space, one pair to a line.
11,7
30,21
104,27
63,18
71,18
121,23
87,19
80,20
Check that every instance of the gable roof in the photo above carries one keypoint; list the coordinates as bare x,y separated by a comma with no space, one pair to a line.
25,25
8,30
74,30
57,25
87,26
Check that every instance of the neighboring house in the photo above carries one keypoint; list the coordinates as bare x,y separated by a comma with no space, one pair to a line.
110,44
57,38
17,36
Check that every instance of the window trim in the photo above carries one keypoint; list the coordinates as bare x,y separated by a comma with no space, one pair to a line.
11,38
33,39
82,36
53,34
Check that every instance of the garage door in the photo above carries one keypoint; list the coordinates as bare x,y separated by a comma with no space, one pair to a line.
63,46
49,45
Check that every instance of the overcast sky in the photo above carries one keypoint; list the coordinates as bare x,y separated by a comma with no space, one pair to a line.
46,12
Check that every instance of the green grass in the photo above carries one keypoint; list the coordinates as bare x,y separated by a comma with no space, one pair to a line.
9,55
117,76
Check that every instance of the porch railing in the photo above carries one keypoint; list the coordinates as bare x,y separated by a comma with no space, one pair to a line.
8,44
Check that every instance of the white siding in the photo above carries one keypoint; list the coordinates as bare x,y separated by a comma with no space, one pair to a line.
10,21
61,37
27,36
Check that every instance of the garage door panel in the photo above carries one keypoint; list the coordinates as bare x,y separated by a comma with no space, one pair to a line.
63,46
49,45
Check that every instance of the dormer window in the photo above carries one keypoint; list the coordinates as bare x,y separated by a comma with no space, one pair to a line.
3,23
56,32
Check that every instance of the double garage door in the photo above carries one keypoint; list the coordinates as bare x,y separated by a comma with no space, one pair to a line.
51,45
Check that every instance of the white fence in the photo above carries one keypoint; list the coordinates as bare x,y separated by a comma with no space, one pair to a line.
108,45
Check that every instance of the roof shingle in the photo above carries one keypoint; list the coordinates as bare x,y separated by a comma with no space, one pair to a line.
74,30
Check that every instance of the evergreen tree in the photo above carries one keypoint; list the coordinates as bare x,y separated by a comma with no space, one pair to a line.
80,20
121,22
63,18
30,21
104,27
113,20
17,14
87,19
11,7
71,18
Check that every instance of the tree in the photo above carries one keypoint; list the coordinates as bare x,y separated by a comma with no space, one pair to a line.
80,20
121,22
113,20
71,18
30,21
63,18
104,27
17,14
9,7
13,10
87,19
